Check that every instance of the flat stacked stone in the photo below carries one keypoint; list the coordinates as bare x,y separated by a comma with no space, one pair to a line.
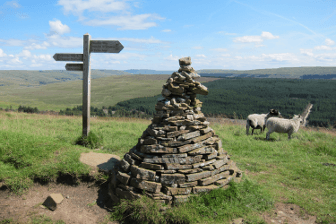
179,153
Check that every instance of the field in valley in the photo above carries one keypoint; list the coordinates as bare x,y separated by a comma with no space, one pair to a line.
105,91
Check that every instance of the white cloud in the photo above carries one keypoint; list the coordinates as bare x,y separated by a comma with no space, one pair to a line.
219,49
248,39
126,21
197,47
65,42
13,4
15,60
225,33
255,39
172,58
166,30
36,65
136,22
225,55
200,55
22,15
24,54
44,57
323,47
2,53
260,45
326,57
329,42
279,57
273,57
123,56
57,27
151,40
77,7
268,35
13,42
307,52
33,46
328,45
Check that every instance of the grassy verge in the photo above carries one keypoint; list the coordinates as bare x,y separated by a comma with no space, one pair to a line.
246,200
298,171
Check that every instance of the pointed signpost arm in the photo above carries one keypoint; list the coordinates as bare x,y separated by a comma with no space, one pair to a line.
86,84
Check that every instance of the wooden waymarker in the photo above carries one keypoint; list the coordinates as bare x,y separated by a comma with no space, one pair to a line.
89,46
68,57
105,46
74,67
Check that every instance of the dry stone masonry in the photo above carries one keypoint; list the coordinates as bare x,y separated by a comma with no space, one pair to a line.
179,153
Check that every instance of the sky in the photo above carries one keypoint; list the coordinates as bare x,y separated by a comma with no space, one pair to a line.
216,34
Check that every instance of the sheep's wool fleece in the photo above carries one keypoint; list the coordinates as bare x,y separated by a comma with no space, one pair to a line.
257,119
179,153
282,125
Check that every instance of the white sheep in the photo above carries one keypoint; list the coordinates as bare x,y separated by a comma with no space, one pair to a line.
258,121
281,125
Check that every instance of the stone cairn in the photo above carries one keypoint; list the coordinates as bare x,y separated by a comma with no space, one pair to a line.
178,154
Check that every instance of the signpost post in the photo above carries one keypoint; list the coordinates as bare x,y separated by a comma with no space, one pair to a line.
89,46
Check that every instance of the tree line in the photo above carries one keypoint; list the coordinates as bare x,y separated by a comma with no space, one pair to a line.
111,111
237,98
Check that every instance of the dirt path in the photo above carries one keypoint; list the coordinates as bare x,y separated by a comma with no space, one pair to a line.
85,203
88,203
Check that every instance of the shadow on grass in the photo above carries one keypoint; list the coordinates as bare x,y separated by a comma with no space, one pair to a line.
265,140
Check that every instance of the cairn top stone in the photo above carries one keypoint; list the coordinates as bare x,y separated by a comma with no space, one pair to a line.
185,61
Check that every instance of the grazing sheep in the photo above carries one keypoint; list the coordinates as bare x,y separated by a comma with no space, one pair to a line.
258,121
289,126
281,125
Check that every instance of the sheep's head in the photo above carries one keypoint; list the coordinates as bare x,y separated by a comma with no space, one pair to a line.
298,117
273,113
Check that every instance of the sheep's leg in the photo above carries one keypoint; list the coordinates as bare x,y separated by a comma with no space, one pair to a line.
290,134
252,130
247,129
268,135
262,129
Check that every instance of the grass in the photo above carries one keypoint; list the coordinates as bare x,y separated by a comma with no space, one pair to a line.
219,206
106,91
42,147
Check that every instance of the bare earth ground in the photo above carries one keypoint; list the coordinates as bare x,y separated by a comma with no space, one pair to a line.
78,206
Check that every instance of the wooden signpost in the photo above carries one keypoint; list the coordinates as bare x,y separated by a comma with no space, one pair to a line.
89,46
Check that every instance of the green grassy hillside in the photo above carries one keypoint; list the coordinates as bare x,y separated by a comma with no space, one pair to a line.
104,91
32,78
301,171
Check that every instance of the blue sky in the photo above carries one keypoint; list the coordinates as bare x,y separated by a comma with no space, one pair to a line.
216,34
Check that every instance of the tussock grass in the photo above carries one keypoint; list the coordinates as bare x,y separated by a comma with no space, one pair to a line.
300,171
218,206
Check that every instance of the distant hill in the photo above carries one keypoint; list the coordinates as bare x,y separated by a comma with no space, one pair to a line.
148,72
288,72
31,78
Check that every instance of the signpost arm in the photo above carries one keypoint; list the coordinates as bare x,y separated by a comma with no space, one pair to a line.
86,84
